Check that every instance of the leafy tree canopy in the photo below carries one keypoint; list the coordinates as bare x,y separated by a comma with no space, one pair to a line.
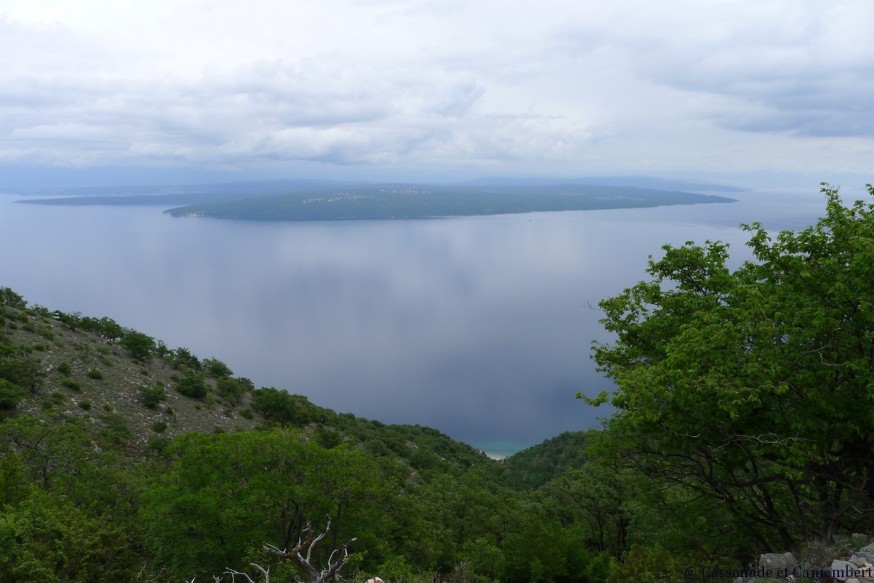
754,386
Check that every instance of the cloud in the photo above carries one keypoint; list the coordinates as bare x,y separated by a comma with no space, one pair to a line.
803,68
600,85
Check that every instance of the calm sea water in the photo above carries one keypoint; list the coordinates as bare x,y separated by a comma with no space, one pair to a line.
478,326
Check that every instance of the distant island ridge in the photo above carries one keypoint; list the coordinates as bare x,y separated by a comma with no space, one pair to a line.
331,201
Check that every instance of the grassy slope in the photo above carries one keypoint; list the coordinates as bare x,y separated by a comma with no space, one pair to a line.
86,377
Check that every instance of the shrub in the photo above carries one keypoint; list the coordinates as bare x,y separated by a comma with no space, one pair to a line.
151,397
95,374
217,369
651,564
140,346
72,385
116,431
106,327
24,372
284,408
231,390
193,386
327,437
182,357
11,299
10,395
64,369
159,426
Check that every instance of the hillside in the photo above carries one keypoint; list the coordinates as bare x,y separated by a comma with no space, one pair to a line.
535,466
70,367
119,455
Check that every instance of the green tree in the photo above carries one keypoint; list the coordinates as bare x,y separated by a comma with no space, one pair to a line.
24,371
228,493
232,390
182,357
283,408
192,385
10,395
140,346
106,327
50,452
151,397
217,369
11,299
753,386
47,539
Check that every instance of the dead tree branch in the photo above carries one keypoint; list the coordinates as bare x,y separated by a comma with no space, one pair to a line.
301,556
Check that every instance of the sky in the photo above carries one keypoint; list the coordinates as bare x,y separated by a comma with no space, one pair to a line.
137,91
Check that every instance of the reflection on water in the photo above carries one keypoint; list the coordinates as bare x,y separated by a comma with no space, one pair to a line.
477,326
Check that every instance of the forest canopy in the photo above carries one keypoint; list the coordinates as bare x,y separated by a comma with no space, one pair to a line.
754,387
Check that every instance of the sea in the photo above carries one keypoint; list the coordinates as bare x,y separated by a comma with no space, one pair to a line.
480,327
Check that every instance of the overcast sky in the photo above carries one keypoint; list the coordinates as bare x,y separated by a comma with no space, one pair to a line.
382,88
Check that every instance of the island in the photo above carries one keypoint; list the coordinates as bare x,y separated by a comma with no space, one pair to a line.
388,201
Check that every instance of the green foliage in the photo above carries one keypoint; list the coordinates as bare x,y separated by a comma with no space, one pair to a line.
192,385
71,321
65,369
232,390
535,466
13,479
140,346
23,371
277,482
95,373
559,554
594,499
182,357
10,395
151,397
46,539
105,327
327,437
116,432
752,387
216,368
72,385
396,569
11,299
50,453
649,565
284,408
483,559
